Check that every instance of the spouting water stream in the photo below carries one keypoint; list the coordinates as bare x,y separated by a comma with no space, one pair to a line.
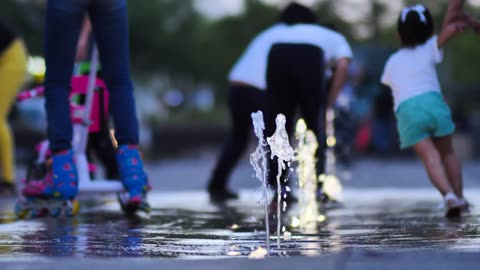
309,216
307,177
331,142
258,159
280,148
331,185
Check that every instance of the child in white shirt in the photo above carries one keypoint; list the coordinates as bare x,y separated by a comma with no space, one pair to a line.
424,119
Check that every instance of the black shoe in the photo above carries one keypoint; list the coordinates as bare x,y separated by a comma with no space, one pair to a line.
221,195
326,202
7,189
453,208
323,197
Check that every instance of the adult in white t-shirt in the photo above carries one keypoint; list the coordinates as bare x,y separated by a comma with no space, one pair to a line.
296,81
248,82
252,65
246,95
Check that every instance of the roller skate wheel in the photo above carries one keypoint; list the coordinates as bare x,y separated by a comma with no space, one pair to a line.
122,200
55,212
21,211
73,209
145,207
37,213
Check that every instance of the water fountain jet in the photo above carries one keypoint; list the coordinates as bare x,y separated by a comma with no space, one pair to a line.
280,148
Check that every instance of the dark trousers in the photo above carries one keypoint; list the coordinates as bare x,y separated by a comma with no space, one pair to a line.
242,101
296,81
100,144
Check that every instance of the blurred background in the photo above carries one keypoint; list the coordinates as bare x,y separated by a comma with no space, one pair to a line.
182,51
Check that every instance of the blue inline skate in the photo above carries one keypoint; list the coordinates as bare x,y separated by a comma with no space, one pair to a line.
134,179
50,188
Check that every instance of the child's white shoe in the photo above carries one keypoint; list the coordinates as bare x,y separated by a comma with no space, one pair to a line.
453,205
465,205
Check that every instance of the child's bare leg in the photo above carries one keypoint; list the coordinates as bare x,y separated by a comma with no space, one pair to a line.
430,157
451,163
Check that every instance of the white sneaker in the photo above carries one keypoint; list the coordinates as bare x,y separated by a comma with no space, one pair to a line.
453,206
464,204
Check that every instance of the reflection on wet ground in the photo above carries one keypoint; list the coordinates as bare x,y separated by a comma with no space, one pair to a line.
187,225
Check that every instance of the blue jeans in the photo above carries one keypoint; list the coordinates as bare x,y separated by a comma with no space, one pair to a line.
110,27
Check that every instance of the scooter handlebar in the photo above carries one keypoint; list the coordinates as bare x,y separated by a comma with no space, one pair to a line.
29,94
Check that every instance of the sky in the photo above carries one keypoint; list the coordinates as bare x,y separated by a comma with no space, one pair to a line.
222,7
232,7
353,11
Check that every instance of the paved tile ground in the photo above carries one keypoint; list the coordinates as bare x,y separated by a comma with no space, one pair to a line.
389,218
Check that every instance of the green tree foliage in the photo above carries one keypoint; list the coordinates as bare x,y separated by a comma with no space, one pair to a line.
224,40
458,72
27,18
162,34
170,38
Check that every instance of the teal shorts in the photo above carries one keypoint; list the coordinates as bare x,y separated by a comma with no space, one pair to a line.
423,116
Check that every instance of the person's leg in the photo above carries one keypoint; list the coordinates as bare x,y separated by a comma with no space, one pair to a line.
432,161
451,163
242,102
13,64
344,131
279,100
6,149
101,144
314,115
63,22
110,27
311,88
430,156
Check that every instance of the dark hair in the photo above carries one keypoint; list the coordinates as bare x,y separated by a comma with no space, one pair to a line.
295,13
413,31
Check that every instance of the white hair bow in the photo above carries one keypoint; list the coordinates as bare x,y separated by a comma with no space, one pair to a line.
417,8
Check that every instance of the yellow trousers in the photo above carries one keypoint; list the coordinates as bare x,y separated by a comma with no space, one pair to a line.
13,67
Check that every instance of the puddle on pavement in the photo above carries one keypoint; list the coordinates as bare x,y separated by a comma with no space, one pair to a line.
187,225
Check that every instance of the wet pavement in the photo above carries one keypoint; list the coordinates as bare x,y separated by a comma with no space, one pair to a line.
387,207
187,225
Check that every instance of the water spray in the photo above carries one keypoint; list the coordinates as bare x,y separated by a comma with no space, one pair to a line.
280,148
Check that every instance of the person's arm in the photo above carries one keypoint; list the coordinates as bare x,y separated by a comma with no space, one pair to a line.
82,46
456,4
339,79
455,22
454,12
451,30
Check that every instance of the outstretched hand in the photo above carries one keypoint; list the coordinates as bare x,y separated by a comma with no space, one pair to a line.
475,24
456,14
456,21
452,29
